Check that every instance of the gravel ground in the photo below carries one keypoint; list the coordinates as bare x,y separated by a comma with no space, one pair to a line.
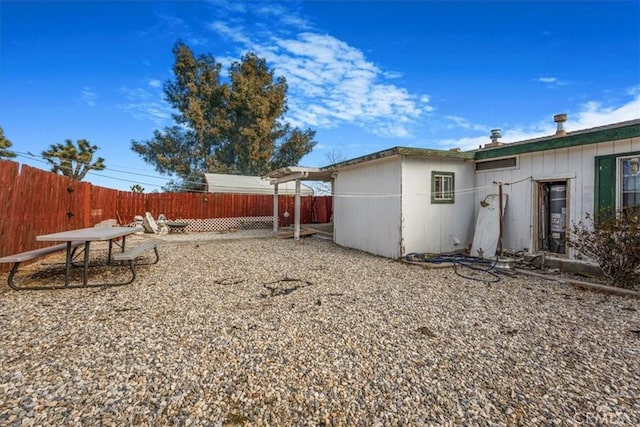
261,331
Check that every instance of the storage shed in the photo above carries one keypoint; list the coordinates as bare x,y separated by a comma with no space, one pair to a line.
403,200
244,184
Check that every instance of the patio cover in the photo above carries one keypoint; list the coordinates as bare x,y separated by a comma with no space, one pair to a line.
291,173
285,176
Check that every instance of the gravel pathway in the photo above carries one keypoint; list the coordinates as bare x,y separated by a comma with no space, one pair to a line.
261,331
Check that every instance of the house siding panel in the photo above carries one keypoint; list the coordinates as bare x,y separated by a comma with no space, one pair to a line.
436,228
367,207
576,164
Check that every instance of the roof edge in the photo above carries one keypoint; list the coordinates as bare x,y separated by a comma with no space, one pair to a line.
403,151
613,132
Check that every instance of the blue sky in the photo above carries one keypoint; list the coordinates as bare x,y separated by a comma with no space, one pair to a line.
366,75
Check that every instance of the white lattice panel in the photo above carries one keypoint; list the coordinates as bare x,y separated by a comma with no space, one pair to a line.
221,224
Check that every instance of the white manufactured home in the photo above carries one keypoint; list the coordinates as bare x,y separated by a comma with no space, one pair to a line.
405,200
554,182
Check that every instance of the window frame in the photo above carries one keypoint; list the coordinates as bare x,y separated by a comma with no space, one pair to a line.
621,179
608,181
448,195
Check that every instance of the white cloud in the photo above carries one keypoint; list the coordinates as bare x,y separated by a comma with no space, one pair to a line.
462,123
588,115
392,74
197,41
235,7
88,96
284,15
550,81
634,91
330,82
594,114
155,83
147,105
327,72
235,34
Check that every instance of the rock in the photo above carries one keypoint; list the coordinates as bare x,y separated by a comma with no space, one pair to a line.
149,223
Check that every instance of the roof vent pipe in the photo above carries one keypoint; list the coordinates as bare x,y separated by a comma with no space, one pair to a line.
495,135
560,119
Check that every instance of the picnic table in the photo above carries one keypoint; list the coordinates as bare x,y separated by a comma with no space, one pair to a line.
82,238
87,235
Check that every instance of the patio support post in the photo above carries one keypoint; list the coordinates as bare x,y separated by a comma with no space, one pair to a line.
275,208
296,225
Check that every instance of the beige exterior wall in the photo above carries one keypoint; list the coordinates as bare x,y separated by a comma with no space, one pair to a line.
384,207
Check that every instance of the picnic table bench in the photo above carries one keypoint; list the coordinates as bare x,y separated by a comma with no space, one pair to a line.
16,259
132,254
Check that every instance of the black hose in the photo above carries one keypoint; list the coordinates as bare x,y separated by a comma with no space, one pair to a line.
459,260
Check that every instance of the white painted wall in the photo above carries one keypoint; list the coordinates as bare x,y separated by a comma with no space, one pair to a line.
366,207
576,164
436,228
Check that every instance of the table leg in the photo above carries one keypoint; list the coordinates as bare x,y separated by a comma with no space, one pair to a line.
85,273
67,267
111,248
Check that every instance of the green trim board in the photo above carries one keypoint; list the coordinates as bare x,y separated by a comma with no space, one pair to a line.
605,185
631,130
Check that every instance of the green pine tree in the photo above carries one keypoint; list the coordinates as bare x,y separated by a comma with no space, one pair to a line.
4,144
234,127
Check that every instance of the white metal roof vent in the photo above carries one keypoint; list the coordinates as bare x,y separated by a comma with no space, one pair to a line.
495,135
560,119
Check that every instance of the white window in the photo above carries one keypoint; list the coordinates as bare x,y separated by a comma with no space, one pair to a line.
629,183
442,187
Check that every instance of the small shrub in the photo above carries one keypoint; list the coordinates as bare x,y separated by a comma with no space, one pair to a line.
137,188
612,241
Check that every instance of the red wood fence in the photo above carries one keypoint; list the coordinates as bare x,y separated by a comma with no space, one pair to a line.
37,202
